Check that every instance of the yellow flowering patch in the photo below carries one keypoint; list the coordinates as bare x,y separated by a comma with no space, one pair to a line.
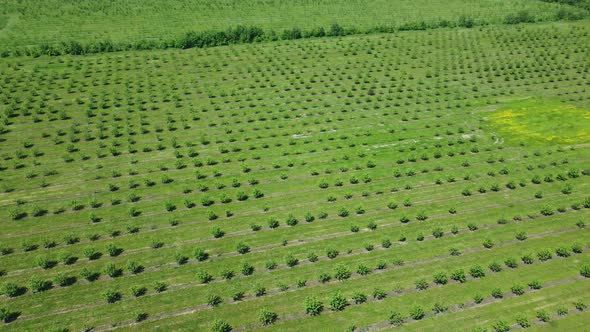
542,121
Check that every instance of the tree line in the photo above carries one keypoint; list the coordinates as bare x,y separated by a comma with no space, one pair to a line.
253,34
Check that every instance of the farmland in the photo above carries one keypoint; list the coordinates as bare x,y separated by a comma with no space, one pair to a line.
27,27
425,180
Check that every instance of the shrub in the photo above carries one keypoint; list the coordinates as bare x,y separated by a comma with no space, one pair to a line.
511,263
113,250
527,259
543,316
417,312
91,253
495,267
522,16
156,244
313,306
11,289
291,220
535,284
338,302
438,232
160,286
227,274
140,316
200,254
270,265
324,277
477,271
385,243
273,223
392,205
363,270
523,321
7,315
237,295
331,253
247,269
111,270
138,291
421,216
341,272
111,296
421,284
379,294
577,248
291,261
89,275
459,276
214,300
517,290
585,271
544,255
180,258
267,317
38,285
219,325
563,251
217,232
440,278
204,277
438,308
242,248
478,298
580,306
497,293
63,281
501,326
312,257
396,318
359,297
45,262
343,212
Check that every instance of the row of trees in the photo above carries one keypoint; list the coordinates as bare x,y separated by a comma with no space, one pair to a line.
252,34
338,302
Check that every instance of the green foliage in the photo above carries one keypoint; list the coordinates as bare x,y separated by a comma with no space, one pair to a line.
112,296
501,326
417,312
396,318
218,325
267,317
337,302
341,272
313,306
7,315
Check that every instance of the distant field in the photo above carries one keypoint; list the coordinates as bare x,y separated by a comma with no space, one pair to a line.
54,21
409,179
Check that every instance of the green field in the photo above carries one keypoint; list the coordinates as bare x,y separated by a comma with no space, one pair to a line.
130,21
415,180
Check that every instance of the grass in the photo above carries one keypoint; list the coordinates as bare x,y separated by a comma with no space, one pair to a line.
542,122
136,150
132,20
